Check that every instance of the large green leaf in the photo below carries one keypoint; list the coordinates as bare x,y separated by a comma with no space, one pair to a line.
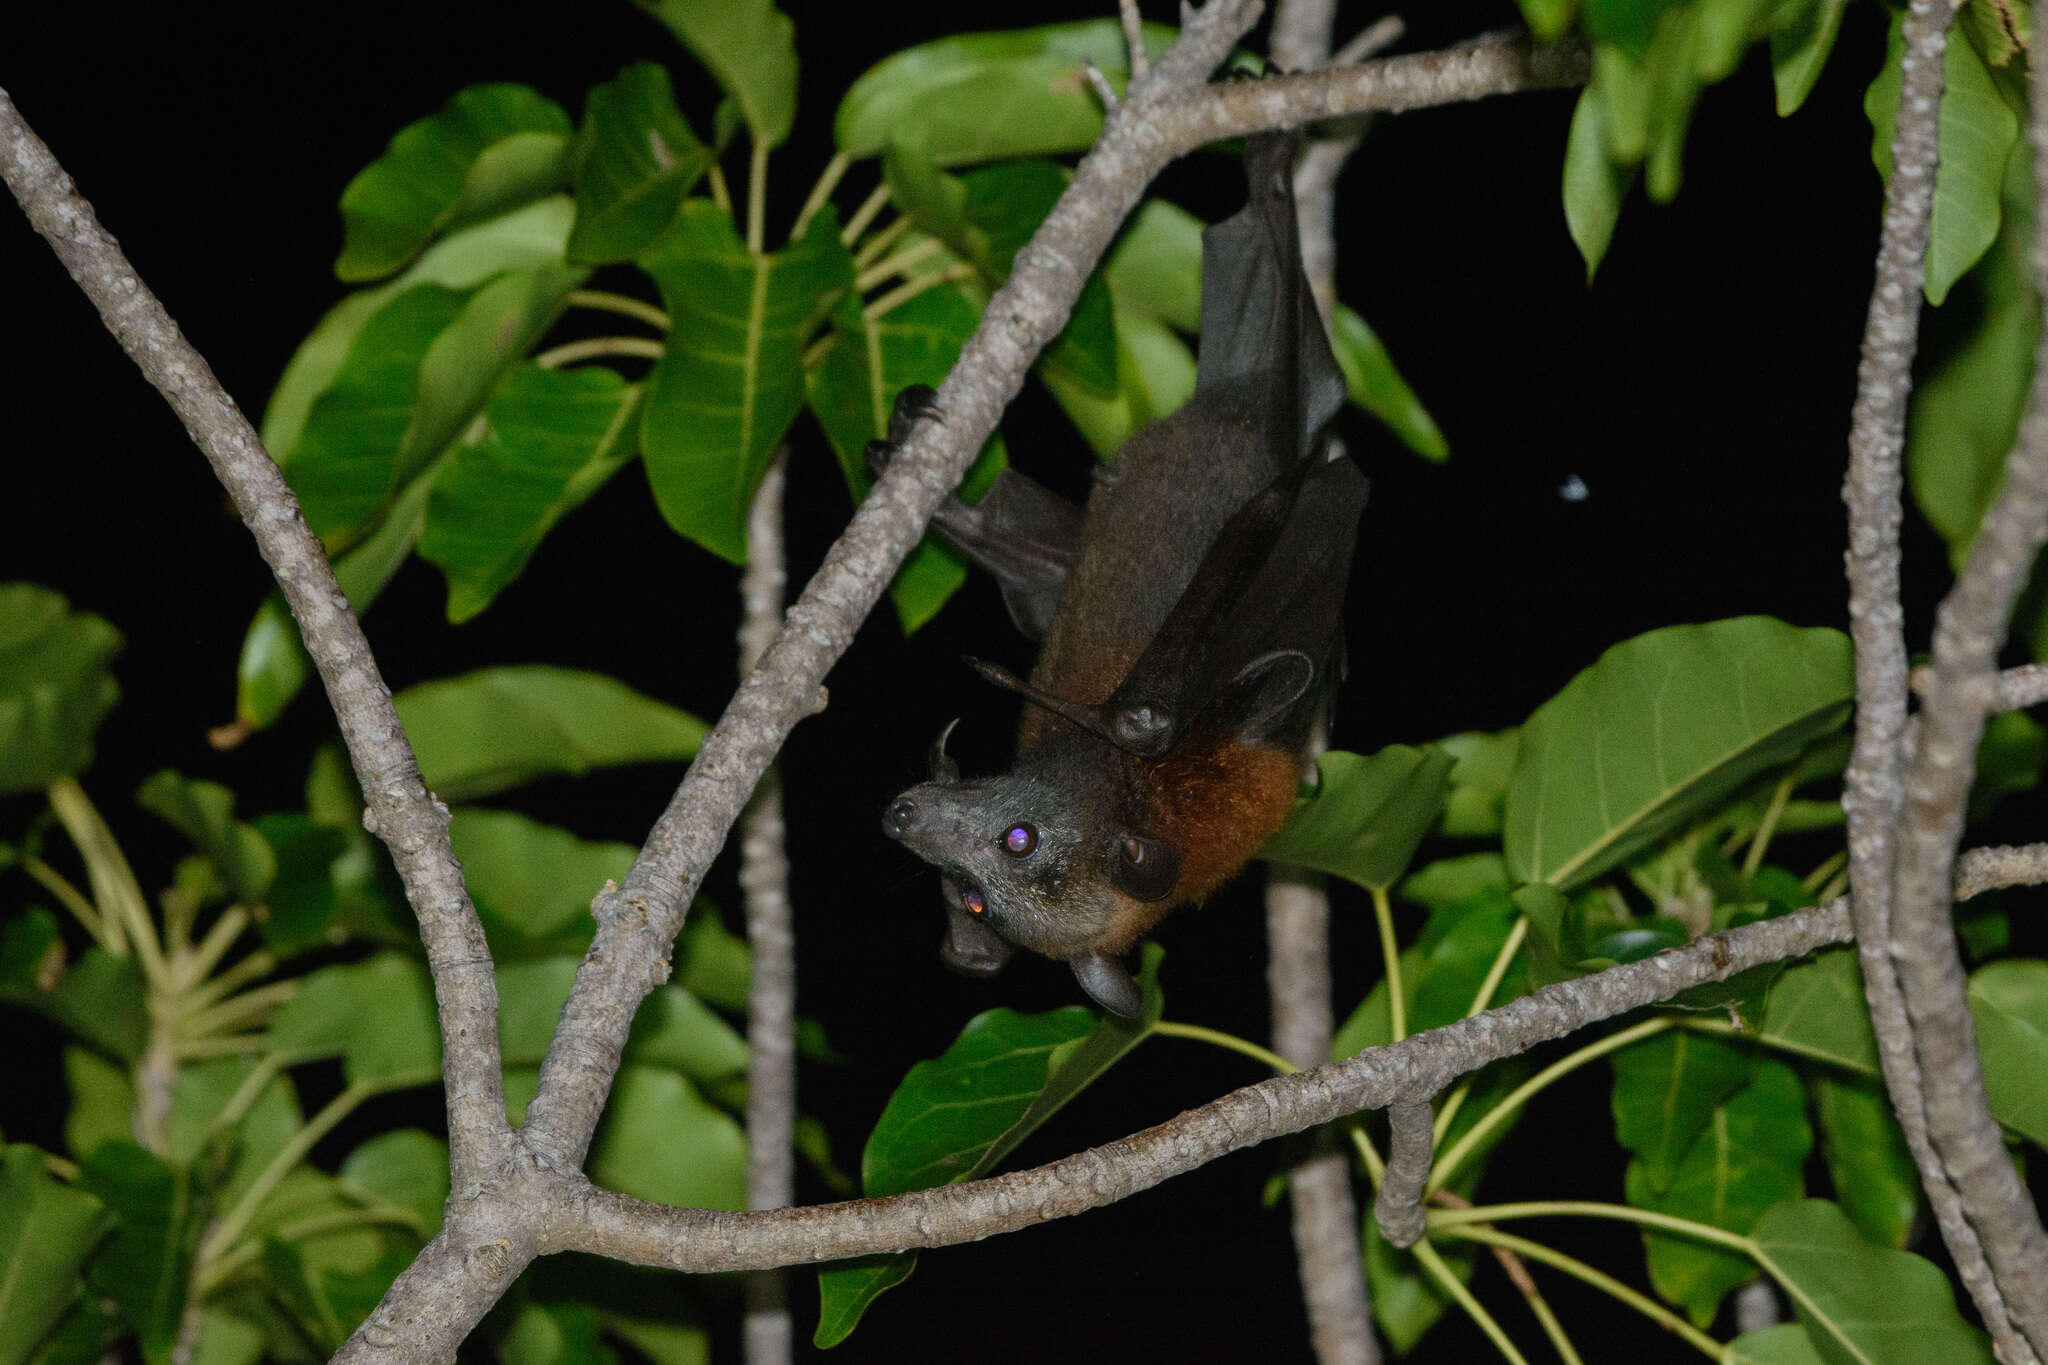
1666,1090
661,1140
2009,1002
1594,184
852,391
1800,49
1440,975
1860,1302
1367,816
1155,268
498,728
406,1168
1746,1158
982,96
204,812
1372,382
229,1159
673,1030
102,1101
1481,765
46,1232
1872,1170
1155,373
1658,731
100,998
636,157
550,439
955,1117
489,149
1816,1008
532,883
305,900
1966,403
749,47
377,1015
731,378
56,685
1785,1344
1978,133
146,1265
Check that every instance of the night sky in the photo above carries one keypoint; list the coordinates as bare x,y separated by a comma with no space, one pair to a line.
1699,391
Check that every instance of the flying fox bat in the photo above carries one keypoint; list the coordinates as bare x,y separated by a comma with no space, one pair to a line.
1191,627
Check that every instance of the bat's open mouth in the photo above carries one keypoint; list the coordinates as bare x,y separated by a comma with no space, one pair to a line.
965,893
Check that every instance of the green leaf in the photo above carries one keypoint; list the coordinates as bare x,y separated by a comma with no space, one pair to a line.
532,883
2009,1002
852,391
146,1265
305,899
1978,133
1155,373
1800,49
1816,1008
489,149
715,965
984,96
1155,268
1967,400
1595,184
1478,790
673,1028
407,1168
1441,975
1406,1300
229,1160
204,812
1367,816
731,378
1547,19
1747,1158
1666,1089
1860,1302
636,157
224,1339
102,1101
100,999
664,1343
1785,1344
1372,382
485,732
2009,760
749,47
953,1118
1660,730
1874,1177
56,685
661,1140
550,439
46,1232
1451,881
377,1015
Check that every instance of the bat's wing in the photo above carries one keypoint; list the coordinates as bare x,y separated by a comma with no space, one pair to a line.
1021,533
1260,620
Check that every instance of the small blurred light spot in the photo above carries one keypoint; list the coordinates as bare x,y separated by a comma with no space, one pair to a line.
1573,489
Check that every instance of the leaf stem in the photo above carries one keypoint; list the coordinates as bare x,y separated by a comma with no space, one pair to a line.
114,887
72,899
193,968
1230,1042
828,181
244,1098
235,1012
1447,1219
569,352
1832,864
714,176
1397,1003
904,293
1481,1000
877,198
623,304
757,196
1762,839
897,264
236,1221
315,1225
1448,1163
1607,1284
1450,1284
872,249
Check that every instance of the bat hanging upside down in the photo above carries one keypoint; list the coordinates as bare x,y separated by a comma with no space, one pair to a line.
1192,633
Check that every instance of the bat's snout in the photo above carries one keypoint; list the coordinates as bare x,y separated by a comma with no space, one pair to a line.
903,816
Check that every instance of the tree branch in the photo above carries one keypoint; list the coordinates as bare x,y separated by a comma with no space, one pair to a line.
1970,628
1406,1072
400,810
1411,1143
771,937
1872,792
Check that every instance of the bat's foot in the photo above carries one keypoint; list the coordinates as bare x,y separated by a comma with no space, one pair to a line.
918,403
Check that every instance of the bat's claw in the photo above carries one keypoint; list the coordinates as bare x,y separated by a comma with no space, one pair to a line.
918,403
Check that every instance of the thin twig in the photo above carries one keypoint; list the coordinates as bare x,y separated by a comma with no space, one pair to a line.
1410,1143
1134,40
401,811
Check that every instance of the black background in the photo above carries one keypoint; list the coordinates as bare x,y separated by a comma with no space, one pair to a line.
1700,389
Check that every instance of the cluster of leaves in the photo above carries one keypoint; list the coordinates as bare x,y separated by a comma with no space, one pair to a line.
1633,811
426,411
279,963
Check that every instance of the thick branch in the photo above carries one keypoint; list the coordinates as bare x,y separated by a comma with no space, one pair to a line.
1411,1143
1406,1072
771,988
1872,793
1969,630
400,811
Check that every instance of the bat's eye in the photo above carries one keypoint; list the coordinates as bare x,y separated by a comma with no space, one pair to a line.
1019,840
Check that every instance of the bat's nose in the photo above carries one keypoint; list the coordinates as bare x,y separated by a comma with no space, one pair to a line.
898,819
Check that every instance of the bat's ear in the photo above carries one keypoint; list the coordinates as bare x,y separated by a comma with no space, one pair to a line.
1108,984
943,768
1255,703
1143,868
971,947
